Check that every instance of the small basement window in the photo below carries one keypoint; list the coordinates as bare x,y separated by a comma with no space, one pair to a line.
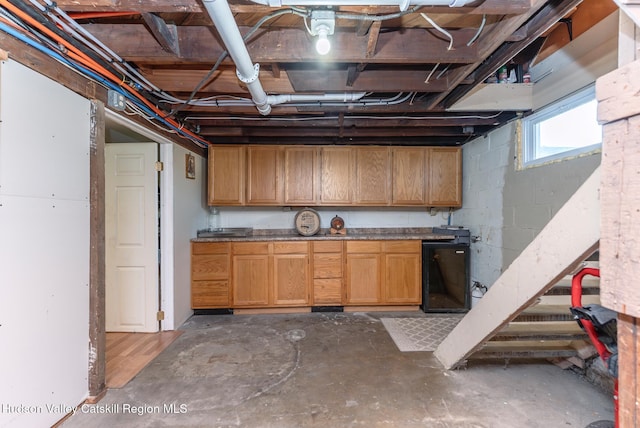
564,129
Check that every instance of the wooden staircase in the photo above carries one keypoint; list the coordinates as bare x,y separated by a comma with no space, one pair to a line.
558,250
546,329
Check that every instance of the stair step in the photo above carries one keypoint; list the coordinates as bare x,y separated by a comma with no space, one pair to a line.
545,330
529,349
562,300
590,284
537,317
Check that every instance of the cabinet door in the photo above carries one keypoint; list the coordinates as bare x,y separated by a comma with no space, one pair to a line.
408,176
226,175
337,169
372,176
265,186
403,274
300,175
445,176
250,280
363,279
291,279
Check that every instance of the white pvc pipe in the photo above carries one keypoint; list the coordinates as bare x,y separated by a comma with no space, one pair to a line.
402,4
245,69
319,98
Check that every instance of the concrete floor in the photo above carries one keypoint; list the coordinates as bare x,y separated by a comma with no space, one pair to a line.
333,370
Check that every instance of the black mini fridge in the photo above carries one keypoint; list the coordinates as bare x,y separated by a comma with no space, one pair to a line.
445,277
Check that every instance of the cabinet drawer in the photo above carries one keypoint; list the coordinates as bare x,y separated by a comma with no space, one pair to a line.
250,248
209,266
292,247
209,247
327,246
327,291
413,246
327,265
364,246
209,294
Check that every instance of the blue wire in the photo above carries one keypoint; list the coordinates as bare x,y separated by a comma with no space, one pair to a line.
87,72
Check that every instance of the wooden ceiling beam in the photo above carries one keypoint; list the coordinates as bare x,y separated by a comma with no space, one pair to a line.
198,45
497,7
336,131
165,34
349,122
225,81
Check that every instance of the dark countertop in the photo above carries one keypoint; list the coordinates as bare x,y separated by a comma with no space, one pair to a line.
371,234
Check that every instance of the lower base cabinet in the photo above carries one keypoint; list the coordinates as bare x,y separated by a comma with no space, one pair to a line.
210,275
271,274
383,272
327,273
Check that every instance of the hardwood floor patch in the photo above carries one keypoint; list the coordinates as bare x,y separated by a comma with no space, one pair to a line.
128,353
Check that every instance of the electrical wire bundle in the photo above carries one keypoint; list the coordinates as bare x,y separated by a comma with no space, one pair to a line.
51,31
42,25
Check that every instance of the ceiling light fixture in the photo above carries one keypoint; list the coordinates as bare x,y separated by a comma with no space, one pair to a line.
323,23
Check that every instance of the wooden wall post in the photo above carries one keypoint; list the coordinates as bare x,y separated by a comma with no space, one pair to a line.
618,95
97,335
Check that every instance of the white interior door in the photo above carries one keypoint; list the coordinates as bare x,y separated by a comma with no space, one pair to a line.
131,224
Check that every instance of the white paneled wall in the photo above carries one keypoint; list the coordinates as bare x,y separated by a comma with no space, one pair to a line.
44,248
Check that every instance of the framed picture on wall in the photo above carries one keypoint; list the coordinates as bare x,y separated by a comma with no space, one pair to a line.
190,166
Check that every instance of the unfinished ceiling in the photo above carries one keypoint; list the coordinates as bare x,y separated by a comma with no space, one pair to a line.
394,70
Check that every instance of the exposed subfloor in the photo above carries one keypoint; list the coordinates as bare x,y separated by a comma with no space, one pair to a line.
333,370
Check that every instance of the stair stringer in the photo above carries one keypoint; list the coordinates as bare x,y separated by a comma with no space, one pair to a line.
569,238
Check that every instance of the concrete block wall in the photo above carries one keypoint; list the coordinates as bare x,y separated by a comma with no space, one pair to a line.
485,162
533,196
506,207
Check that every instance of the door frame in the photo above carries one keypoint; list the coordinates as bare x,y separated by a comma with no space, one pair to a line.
165,183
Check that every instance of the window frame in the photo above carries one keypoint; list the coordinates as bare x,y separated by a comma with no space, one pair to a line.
530,130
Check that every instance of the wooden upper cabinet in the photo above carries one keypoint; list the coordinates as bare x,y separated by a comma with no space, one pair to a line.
444,182
337,175
408,175
301,175
265,186
226,175
372,176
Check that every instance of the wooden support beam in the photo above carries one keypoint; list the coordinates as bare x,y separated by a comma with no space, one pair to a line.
165,34
352,75
97,334
411,46
618,95
569,237
175,6
629,375
372,42
619,111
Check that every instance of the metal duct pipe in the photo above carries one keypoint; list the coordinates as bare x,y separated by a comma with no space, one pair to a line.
402,4
302,98
245,69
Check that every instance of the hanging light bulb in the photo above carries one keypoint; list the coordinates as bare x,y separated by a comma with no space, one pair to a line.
323,45
323,24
